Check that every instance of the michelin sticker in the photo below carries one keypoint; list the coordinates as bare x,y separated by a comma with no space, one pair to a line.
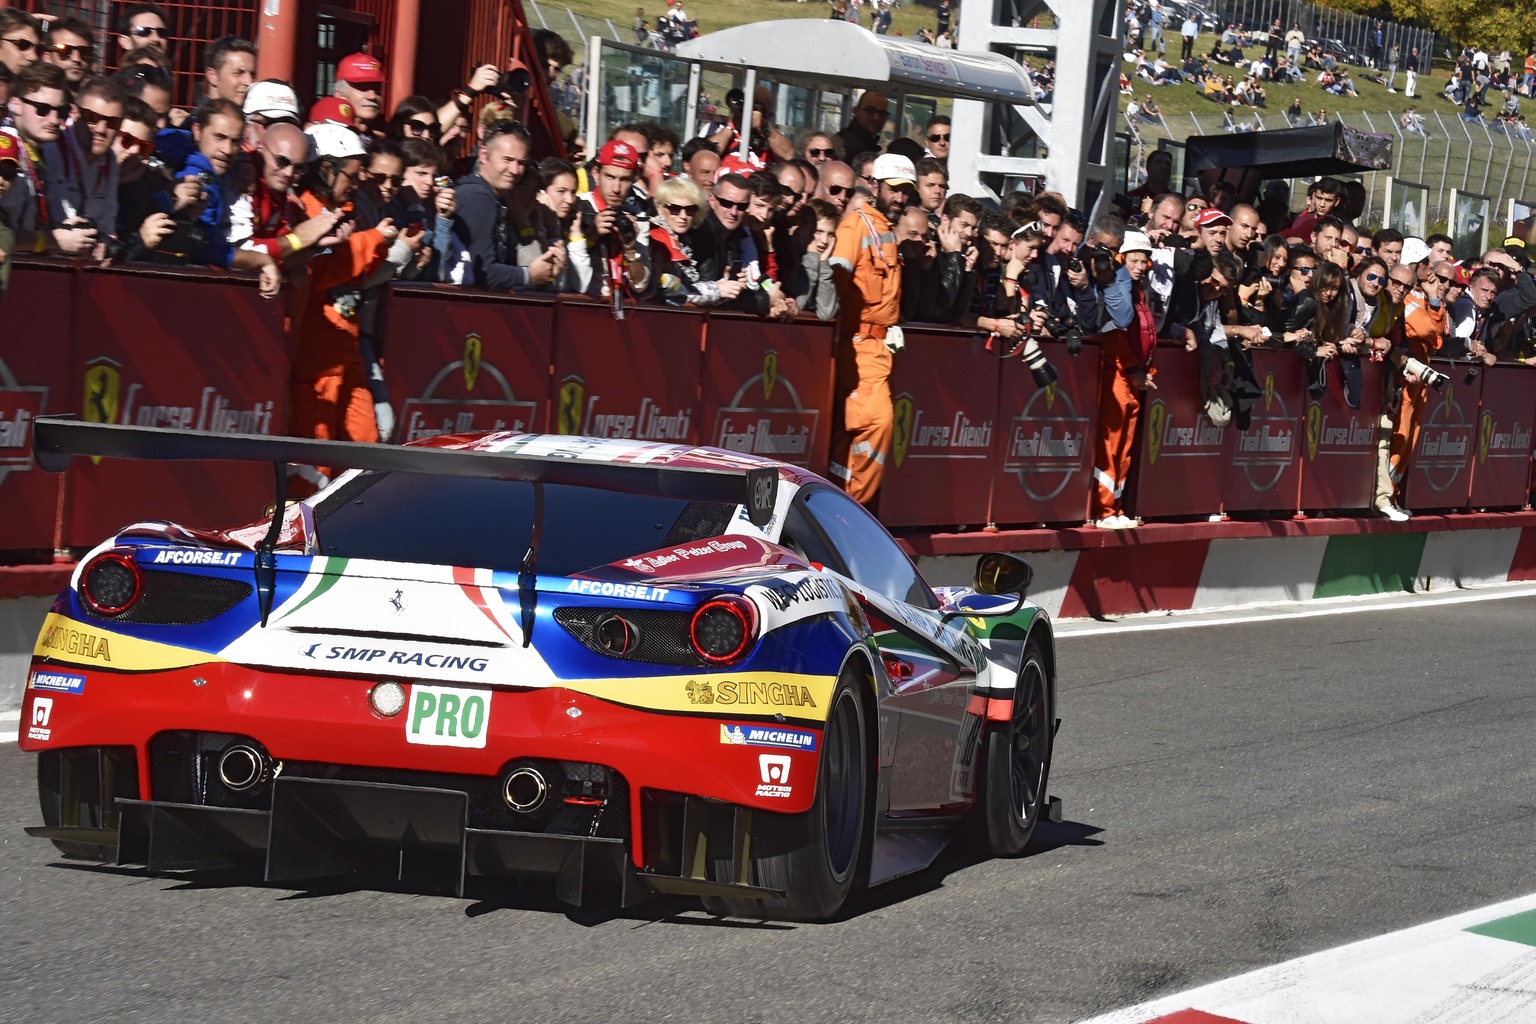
442,716
59,682
762,736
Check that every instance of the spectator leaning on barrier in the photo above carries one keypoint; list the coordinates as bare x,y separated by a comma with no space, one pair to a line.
819,294
869,277
218,127
485,249
87,148
267,225
44,204
423,200
141,214
674,242
613,261
724,247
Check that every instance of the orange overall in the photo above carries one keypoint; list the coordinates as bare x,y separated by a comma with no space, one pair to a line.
328,388
1424,330
1121,352
870,296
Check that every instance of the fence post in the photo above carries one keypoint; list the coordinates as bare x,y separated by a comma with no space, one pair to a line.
1526,172
577,25
613,31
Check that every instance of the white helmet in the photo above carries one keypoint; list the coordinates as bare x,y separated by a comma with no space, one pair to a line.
333,142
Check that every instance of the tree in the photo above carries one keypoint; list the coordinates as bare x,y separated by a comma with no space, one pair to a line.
1496,24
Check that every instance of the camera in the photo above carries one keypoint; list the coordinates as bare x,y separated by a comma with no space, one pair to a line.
1061,329
1099,261
1434,378
624,225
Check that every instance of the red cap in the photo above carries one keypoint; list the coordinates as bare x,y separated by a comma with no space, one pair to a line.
734,164
10,149
334,110
618,153
1461,277
360,69
1210,217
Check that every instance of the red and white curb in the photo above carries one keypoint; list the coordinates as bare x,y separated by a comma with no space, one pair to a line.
1478,966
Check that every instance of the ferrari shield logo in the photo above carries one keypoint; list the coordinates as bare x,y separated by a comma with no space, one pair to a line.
471,361
1269,390
571,395
1050,395
1155,418
903,427
770,373
1314,430
102,385
1484,436
1449,403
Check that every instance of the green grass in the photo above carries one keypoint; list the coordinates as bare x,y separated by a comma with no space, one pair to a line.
713,15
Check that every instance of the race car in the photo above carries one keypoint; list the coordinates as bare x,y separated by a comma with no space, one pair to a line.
628,667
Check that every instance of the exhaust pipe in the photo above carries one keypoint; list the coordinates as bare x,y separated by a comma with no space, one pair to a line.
243,767
524,789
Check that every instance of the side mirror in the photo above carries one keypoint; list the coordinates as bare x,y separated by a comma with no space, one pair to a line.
999,573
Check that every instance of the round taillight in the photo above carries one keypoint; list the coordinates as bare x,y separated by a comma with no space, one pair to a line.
111,583
722,629
387,698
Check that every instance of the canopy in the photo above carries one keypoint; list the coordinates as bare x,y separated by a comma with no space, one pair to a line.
1290,152
828,52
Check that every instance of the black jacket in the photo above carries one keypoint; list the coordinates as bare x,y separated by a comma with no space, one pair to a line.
718,252
481,227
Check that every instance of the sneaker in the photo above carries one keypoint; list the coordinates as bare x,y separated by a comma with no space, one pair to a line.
1107,523
1217,517
1393,513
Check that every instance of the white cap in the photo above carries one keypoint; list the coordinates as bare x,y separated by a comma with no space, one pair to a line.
1136,241
271,99
1415,250
334,142
893,169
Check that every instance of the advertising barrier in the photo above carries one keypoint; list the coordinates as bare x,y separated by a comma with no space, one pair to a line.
34,379
1044,454
173,350
975,441
636,377
456,362
767,389
945,391
1338,446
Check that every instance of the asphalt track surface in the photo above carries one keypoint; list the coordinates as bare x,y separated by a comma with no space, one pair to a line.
1235,796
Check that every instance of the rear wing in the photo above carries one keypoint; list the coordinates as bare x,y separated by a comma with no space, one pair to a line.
56,439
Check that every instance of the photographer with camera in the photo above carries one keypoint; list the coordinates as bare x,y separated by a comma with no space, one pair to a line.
607,251
1473,318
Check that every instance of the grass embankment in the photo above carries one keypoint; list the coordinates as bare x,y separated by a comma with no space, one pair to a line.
713,15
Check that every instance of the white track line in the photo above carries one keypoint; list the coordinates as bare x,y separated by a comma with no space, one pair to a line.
10,724
1330,606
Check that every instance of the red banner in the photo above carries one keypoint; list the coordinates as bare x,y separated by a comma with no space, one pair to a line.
1265,472
636,377
196,351
34,379
1501,476
1045,450
1183,455
1338,446
1440,472
767,389
945,392
457,362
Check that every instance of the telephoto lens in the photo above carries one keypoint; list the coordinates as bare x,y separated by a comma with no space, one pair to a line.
1040,367
1434,378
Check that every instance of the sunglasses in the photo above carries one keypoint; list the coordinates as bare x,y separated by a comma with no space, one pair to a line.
44,109
944,137
1443,280
24,45
733,206
283,163
678,209
876,112
1393,282
152,74
1362,249
425,129
394,179
1196,206
93,118
1304,271
86,52
133,142
1374,278
9,170
837,190
820,152
145,31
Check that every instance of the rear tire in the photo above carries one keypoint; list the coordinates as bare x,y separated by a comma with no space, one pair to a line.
1016,763
814,857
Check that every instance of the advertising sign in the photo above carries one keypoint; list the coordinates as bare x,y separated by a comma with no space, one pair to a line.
1184,456
1338,446
1439,475
136,362
456,364
1265,472
1501,474
767,389
1045,447
637,377
939,471
34,379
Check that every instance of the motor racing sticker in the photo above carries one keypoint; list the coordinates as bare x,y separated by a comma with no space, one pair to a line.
59,682
441,716
775,775
42,713
64,639
767,736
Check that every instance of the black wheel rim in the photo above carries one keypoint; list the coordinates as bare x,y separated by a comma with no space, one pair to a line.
842,784
1031,742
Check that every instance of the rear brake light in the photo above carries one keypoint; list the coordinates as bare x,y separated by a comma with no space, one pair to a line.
111,583
723,629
